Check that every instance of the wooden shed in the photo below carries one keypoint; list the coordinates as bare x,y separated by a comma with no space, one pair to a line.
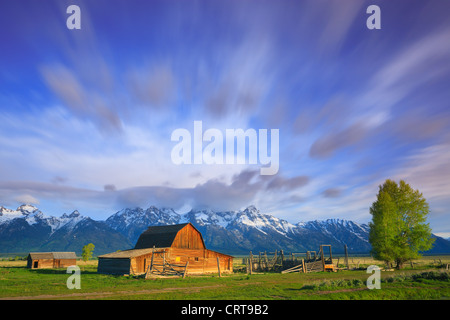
38,260
170,247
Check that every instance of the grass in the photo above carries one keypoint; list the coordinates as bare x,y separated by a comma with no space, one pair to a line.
427,283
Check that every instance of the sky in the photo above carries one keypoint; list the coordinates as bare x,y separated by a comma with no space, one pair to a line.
86,115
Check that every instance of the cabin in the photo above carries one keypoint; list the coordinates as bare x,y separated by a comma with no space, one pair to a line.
39,260
167,248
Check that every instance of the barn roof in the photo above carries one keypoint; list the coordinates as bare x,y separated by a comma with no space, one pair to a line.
160,236
129,253
52,255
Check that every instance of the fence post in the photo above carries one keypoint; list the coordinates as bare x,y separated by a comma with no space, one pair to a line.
247,264
346,257
185,268
259,264
218,266
322,257
266,261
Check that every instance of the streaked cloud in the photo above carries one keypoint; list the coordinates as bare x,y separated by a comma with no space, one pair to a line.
86,117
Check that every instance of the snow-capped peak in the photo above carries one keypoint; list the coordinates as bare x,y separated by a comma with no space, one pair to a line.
27,209
5,211
33,215
150,216
8,214
66,220
251,217
24,211
209,217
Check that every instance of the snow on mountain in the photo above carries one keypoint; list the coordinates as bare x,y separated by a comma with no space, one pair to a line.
248,226
132,222
209,217
20,212
151,216
8,214
231,232
33,215
28,229
69,221
27,209
332,227
251,217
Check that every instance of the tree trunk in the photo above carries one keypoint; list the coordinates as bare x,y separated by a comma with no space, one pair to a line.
399,264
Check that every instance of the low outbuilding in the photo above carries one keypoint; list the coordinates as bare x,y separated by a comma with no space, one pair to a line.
39,260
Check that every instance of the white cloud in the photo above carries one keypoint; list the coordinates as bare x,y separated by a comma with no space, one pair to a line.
26,199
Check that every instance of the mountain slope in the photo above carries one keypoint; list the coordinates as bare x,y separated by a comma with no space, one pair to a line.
247,230
132,222
238,232
234,232
352,234
28,229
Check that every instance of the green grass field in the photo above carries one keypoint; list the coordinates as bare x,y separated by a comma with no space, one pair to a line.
428,282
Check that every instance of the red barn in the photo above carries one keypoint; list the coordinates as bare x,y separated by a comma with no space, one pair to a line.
176,245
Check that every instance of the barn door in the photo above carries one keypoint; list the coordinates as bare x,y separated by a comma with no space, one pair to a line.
35,264
140,265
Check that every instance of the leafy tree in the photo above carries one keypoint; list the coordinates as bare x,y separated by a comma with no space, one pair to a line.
87,251
398,231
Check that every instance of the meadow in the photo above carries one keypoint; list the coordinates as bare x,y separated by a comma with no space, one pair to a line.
428,280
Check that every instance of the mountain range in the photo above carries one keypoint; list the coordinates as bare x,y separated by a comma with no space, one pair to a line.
28,229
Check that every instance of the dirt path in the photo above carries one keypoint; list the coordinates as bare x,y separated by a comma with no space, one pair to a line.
104,294
341,290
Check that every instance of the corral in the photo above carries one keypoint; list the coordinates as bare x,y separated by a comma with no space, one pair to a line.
286,263
167,250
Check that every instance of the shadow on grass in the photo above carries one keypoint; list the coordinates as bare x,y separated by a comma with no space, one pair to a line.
61,271
13,267
303,288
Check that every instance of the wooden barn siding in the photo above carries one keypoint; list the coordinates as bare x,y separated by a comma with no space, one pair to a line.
113,266
140,264
206,260
64,263
188,238
43,263
51,263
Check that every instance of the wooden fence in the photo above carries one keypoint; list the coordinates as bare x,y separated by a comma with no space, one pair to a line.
160,266
279,261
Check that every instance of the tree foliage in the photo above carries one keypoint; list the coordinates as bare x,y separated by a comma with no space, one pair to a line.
87,252
398,231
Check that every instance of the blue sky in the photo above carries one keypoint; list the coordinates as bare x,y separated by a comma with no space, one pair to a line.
86,115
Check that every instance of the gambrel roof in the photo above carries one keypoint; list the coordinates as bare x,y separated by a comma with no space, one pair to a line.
162,236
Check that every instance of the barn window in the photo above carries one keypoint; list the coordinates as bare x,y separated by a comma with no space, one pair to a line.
36,264
196,258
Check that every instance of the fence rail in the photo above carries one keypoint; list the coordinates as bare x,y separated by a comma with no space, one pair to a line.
279,261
